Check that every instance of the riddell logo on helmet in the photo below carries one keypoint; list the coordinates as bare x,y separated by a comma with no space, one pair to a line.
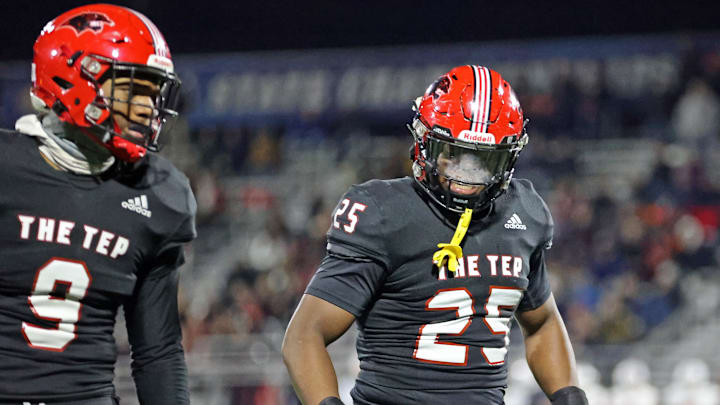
160,62
477,137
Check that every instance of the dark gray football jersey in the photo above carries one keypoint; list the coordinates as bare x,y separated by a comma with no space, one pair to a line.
424,328
72,250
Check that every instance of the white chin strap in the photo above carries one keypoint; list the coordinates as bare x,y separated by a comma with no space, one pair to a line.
31,125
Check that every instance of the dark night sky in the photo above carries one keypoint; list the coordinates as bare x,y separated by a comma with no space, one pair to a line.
227,26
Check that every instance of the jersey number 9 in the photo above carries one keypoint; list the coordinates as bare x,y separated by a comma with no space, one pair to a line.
57,272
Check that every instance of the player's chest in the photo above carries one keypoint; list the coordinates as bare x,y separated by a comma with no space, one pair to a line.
490,259
54,228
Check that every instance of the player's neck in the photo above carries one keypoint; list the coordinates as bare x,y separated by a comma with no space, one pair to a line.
76,144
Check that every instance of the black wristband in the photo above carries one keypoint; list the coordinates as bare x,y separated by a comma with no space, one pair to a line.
331,401
569,396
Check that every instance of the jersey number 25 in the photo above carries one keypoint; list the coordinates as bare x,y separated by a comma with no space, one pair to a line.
352,217
429,349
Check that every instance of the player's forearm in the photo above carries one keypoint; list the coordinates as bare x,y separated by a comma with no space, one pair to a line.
155,336
550,356
311,370
163,381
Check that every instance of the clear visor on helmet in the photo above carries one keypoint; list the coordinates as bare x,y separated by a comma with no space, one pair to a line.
469,164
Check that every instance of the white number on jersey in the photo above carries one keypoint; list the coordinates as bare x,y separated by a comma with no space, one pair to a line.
351,216
500,297
64,311
429,349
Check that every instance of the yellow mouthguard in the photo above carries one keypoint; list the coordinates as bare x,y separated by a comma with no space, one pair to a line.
452,251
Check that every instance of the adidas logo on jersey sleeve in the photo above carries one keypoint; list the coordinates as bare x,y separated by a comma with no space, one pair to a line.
138,204
515,223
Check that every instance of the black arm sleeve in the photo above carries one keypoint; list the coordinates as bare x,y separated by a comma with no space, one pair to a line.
153,324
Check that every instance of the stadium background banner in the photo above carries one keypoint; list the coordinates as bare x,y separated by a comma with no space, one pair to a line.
326,86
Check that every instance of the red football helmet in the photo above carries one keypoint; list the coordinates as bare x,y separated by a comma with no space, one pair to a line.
468,130
82,48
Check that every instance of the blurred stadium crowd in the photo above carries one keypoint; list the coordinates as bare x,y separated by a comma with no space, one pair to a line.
633,182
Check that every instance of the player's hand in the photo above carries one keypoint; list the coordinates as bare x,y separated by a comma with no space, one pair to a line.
569,396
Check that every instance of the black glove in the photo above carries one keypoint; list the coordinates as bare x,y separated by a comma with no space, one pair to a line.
566,396
331,401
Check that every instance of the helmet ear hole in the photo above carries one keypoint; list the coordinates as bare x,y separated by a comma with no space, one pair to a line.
71,60
64,84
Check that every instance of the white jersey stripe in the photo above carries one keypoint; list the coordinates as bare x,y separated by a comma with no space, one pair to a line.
143,201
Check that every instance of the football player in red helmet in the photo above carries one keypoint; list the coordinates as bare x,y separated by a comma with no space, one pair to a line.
468,134
90,219
112,79
434,318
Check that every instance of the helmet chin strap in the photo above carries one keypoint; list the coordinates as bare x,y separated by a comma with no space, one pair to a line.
452,251
123,148
126,150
